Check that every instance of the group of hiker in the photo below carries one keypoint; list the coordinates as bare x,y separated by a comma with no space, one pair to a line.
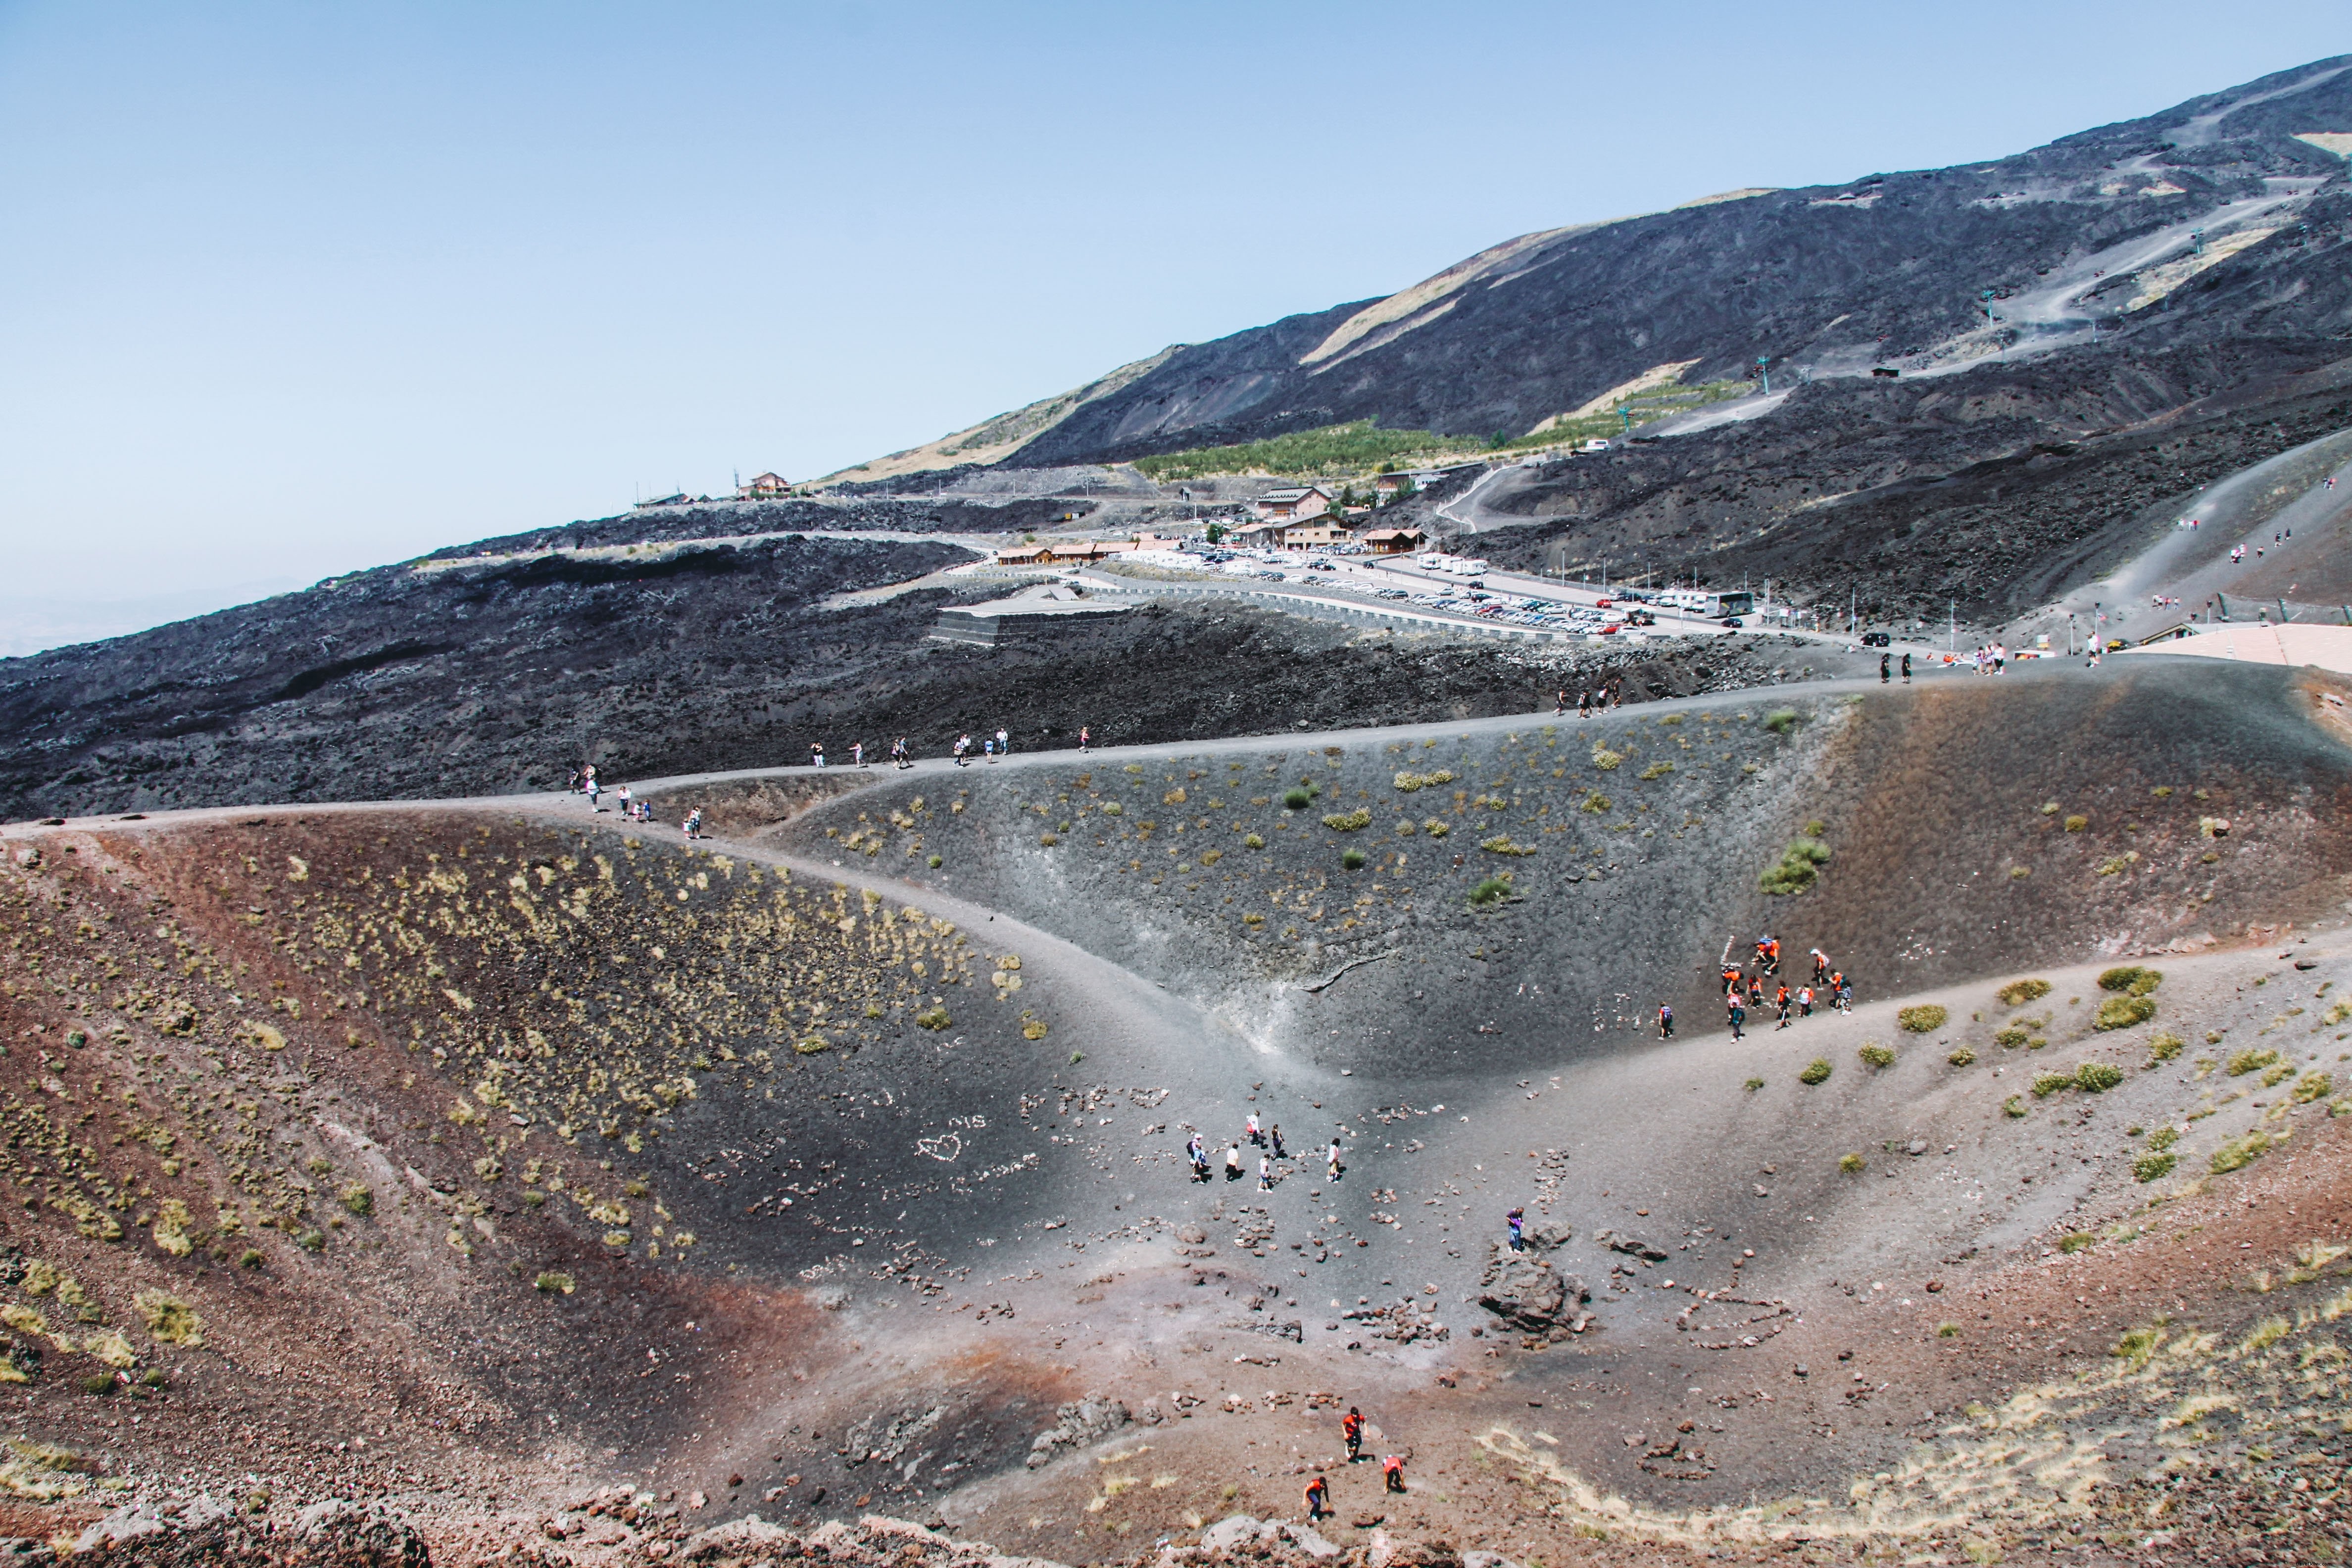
1598,700
1351,1429
991,746
1267,1141
584,782
1746,990
899,755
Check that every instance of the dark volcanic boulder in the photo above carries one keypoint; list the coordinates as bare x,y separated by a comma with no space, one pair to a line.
1528,1293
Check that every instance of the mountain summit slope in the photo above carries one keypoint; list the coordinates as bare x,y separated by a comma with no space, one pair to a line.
1888,268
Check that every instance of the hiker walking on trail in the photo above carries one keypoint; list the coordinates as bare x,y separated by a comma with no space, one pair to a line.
1518,1220
1738,1017
628,812
962,745
593,790
1198,1153
1233,1163
1781,1000
1805,1001
1085,739
857,753
1820,966
1004,742
693,823
1559,703
1255,1133
817,754
1351,1428
1276,1135
1318,1500
1332,1159
1265,1172
1584,704
899,752
1907,670
1666,1021
1884,661
1393,1473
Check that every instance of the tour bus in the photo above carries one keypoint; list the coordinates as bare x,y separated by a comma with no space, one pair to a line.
1713,606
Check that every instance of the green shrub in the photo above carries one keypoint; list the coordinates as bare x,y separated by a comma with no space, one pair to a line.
2010,1038
1961,1058
1657,770
1353,859
2131,978
1780,720
2049,1083
933,1018
2076,823
98,1382
2240,1153
553,1283
2163,1138
1947,1331
1606,759
1816,1072
934,862
2077,1242
1435,827
2136,1346
311,1240
2243,1062
2154,1167
1799,866
2314,1086
1501,845
2097,1077
1754,1084
1113,808
1594,802
1853,1164
2013,1108
1492,891
1875,1054
1253,842
2018,993
2123,1011
1299,799
356,1197
2162,1046
1926,1018
2279,1075
1348,821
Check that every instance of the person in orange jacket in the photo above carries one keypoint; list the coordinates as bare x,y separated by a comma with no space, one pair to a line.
1351,1428
1392,1472
1318,1498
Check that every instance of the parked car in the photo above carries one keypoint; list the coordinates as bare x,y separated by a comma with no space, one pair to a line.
1640,618
1605,602
1733,622
1875,639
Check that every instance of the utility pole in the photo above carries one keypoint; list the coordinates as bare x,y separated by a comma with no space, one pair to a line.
1952,626
1764,371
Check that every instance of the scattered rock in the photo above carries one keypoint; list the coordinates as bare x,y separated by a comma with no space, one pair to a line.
1227,1533
1087,1420
1632,1246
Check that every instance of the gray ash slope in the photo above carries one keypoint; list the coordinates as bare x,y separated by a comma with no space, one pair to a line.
1885,266
490,679
1633,847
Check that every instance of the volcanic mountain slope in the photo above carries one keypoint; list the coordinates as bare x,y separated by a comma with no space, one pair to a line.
476,1159
502,675
1890,268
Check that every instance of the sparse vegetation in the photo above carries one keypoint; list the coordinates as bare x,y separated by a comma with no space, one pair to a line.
1754,1084
2080,1241
2049,1083
1606,759
1297,799
2163,1046
2123,1011
1501,845
1853,1164
1657,770
1353,860
2076,823
1816,1072
1961,1058
1875,1054
2163,1138
1922,1020
171,1321
2018,993
933,1017
2154,1166
2013,1108
2314,1086
552,1283
1492,891
2248,1059
2240,1153
1782,721
1797,870
1348,821
2131,979
2097,1077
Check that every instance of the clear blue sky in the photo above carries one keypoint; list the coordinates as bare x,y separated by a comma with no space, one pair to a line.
290,289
